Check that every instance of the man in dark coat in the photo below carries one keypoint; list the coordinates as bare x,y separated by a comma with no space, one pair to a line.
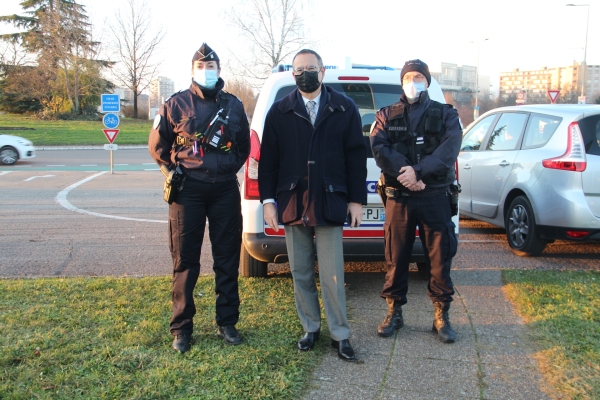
181,138
313,165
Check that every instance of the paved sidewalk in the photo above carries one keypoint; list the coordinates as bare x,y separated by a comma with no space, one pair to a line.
491,358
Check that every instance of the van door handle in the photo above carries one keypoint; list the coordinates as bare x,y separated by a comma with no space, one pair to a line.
467,166
504,163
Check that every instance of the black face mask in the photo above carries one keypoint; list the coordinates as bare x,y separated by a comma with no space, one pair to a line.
308,82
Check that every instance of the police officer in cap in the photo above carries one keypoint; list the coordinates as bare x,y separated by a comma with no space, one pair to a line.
416,142
202,133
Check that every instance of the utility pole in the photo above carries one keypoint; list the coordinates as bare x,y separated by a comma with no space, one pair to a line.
584,65
476,110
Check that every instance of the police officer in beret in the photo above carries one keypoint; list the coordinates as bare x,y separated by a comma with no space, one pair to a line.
415,142
201,138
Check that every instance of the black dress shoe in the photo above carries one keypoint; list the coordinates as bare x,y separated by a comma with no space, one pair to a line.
307,341
229,334
181,343
345,351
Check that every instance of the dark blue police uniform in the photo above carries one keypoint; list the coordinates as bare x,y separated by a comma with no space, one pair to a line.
210,190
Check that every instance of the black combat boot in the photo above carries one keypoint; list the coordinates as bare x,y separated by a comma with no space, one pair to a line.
393,320
441,322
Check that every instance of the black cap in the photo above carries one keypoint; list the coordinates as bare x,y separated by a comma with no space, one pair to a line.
418,66
205,53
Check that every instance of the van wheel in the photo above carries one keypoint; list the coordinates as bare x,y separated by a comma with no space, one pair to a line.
521,230
422,268
250,266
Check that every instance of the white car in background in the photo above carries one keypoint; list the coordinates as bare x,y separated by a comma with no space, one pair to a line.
535,171
371,88
13,148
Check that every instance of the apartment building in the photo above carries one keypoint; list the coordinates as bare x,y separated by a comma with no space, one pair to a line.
536,83
460,81
160,90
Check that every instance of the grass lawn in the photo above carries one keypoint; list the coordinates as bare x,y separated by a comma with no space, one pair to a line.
65,133
563,311
100,338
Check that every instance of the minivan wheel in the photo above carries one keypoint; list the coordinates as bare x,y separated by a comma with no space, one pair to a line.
8,155
521,230
250,266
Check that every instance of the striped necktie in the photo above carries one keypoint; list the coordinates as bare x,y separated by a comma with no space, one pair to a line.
312,112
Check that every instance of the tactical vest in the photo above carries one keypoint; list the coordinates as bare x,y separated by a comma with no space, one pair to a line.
217,136
419,143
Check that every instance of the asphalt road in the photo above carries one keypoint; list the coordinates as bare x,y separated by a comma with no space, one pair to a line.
126,158
74,220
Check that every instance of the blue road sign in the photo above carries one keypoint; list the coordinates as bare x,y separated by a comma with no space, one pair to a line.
111,121
110,103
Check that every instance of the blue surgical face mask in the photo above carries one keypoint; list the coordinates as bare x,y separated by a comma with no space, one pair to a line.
413,89
206,78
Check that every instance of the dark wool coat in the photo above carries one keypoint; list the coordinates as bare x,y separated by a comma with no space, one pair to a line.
313,172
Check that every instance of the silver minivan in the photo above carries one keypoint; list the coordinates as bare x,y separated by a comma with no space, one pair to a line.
534,170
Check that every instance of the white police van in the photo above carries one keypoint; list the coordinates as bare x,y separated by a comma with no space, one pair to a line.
371,88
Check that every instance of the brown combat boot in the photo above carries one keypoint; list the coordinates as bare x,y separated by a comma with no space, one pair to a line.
441,322
393,320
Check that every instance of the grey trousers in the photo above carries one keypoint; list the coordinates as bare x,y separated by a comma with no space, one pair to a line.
299,241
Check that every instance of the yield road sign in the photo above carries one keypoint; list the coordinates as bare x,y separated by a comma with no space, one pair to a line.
110,134
110,102
553,95
110,120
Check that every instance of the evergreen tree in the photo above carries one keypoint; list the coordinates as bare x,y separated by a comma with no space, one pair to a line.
58,32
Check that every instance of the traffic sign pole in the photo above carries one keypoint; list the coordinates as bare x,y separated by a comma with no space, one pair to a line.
110,104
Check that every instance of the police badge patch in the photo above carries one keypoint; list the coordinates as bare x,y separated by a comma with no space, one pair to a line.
156,121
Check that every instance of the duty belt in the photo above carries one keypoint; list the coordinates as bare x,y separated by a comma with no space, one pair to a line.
393,192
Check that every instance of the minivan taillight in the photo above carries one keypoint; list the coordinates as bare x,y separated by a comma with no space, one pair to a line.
251,172
574,158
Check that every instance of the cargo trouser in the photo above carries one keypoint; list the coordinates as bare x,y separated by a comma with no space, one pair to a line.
432,214
220,203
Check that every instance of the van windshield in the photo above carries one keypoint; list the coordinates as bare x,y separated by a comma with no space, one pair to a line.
369,98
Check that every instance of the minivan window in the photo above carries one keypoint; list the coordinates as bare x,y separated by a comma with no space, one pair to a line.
590,130
369,98
506,133
474,137
540,129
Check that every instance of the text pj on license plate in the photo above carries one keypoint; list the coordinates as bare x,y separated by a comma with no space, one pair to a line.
373,214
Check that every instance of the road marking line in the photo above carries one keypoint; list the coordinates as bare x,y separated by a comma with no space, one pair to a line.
48,165
121,164
5,172
151,169
61,198
38,176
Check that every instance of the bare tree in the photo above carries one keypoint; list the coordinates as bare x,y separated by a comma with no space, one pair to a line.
137,42
243,91
271,30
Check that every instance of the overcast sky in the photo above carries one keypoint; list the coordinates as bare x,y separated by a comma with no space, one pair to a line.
524,34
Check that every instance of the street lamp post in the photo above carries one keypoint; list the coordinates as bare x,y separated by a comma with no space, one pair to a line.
584,73
476,110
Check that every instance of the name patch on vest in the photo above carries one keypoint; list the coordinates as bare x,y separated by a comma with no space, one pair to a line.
398,128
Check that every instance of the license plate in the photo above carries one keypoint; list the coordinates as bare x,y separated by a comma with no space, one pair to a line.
373,214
